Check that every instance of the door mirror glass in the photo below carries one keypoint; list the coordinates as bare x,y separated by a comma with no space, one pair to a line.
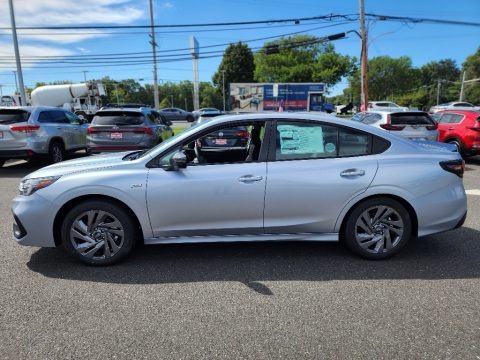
178,161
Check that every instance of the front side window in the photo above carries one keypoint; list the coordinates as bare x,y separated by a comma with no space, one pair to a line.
230,144
72,118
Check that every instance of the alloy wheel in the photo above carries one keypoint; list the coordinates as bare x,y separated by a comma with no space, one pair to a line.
97,235
379,229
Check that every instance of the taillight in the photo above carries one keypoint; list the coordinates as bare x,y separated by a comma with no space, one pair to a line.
456,167
432,127
25,128
242,134
389,126
147,130
91,130
392,127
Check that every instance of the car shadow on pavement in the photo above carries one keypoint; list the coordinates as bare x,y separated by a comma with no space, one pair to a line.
449,255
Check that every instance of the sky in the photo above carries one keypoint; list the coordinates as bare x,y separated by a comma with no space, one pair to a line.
420,41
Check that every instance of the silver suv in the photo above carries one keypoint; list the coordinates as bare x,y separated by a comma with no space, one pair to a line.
29,131
127,129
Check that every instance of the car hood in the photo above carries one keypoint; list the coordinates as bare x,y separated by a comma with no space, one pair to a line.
81,165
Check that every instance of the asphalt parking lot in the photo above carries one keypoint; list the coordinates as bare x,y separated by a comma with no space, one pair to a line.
243,301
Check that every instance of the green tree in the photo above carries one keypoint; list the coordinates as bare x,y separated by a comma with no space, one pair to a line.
238,64
387,77
302,58
472,68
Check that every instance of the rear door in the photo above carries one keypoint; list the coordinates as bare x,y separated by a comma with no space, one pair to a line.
315,170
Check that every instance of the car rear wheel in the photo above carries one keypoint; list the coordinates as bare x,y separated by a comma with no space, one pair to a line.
56,153
98,233
378,228
458,145
190,118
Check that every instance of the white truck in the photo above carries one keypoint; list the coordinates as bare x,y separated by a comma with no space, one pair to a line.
83,99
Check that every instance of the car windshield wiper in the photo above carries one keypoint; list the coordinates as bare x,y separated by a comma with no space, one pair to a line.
133,155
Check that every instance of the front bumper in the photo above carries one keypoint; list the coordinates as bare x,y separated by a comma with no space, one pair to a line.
33,220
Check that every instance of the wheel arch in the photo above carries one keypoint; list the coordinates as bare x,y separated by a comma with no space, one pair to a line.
405,203
57,223
54,139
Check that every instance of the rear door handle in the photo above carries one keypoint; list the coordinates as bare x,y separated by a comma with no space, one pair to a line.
352,172
248,179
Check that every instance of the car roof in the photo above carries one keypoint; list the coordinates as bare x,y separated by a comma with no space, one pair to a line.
461,111
32,108
120,110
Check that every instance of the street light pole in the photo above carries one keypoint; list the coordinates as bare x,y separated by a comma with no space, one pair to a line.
364,58
23,98
16,83
171,99
84,75
154,51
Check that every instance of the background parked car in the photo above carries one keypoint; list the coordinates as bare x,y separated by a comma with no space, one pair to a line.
127,129
455,105
461,128
414,125
30,131
197,113
385,105
177,114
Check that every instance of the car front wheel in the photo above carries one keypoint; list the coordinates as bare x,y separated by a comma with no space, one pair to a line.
98,233
377,228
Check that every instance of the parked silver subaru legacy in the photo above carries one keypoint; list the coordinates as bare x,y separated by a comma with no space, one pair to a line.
301,177
29,131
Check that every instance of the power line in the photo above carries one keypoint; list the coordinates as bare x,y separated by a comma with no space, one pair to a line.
421,20
238,23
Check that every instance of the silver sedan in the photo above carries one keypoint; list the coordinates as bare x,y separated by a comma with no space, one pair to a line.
301,177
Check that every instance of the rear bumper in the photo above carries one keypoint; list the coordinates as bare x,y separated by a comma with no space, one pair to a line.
17,154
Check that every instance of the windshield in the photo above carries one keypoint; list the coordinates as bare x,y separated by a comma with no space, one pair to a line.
12,116
118,118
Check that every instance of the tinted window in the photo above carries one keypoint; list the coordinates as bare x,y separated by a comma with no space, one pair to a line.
411,119
72,118
58,117
455,118
353,143
118,118
371,118
463,105
305,141
12,116
44,117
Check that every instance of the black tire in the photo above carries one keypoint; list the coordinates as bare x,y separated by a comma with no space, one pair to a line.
56,152
2,162
115,228
190,118
377,239
458,145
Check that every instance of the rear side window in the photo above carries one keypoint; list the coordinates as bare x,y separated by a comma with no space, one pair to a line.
12,116
371,118
353,143
118,118
411,119
451,118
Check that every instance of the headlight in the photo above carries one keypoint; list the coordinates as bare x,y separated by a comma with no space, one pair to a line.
29,186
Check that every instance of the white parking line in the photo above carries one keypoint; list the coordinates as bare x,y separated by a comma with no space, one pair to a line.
473,192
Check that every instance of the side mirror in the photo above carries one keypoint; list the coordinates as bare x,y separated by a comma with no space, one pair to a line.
178,161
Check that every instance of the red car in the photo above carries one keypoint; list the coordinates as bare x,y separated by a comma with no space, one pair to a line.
461,128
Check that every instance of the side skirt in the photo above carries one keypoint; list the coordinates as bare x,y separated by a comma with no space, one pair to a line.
240,238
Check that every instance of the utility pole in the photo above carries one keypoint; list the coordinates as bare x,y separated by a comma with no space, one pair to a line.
223,73
462,86
23,98
154,51
364,58
438,92
84,75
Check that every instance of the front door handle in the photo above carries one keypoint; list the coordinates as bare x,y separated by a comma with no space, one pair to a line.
248,179
352,172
